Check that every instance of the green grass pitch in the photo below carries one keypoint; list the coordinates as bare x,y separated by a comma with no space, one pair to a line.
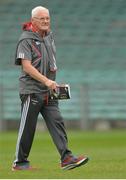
107,152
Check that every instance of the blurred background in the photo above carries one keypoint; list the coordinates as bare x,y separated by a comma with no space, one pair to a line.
90,37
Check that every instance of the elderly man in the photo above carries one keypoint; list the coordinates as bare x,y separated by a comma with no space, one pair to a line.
36,53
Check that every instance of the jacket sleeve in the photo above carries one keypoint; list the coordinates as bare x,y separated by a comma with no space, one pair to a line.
23,51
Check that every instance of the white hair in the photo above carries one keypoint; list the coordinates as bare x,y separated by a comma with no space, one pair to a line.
38,8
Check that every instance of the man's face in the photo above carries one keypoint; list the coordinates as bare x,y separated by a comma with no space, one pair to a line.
42,21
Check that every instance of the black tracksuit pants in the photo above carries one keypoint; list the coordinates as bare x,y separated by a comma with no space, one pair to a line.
32,105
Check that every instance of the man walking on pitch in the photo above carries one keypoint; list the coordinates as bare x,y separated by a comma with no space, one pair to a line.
36,54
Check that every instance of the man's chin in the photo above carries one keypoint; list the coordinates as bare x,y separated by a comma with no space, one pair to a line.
45,29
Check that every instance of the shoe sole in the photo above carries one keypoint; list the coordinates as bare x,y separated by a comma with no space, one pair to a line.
80,163
72,166
25,169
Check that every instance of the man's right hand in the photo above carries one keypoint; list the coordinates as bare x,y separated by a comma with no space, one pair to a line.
51,84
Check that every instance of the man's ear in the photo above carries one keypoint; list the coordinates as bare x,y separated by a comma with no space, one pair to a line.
31,19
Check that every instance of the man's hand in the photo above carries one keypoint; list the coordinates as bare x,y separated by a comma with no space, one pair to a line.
51,84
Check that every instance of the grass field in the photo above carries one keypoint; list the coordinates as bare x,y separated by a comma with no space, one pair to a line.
107,152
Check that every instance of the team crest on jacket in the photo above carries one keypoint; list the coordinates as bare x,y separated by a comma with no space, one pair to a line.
37,43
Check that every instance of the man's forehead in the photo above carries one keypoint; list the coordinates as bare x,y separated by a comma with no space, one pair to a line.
42,13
